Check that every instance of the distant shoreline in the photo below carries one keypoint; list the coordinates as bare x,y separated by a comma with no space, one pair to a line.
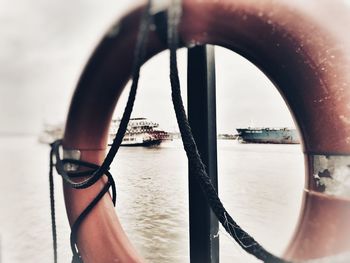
17,134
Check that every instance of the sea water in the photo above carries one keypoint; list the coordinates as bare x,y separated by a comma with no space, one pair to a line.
260,185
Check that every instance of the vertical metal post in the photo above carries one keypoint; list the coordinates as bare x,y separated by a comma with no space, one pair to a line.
204,239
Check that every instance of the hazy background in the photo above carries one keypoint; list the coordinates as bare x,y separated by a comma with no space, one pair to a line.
44,46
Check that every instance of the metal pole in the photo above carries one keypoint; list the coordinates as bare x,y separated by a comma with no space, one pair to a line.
204,239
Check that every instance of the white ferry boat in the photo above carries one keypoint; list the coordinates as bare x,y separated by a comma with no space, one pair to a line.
140,132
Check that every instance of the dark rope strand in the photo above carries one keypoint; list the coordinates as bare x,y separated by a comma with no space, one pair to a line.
139,57
198,168
96,171
82,216
52,206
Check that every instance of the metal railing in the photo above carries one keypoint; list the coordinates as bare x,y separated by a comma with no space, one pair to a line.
204,227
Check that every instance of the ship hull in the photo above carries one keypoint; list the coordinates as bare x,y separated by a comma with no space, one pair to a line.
141,139
144,143
266,135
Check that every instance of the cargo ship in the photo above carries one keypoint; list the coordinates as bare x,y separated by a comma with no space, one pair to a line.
268,135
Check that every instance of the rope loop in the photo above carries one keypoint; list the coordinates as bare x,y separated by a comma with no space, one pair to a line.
70,178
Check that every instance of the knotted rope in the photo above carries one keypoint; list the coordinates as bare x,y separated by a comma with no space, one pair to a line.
96,172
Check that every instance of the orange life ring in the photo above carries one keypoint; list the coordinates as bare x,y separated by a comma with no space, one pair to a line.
301,49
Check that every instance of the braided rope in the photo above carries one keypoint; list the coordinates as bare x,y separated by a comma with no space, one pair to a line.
248,243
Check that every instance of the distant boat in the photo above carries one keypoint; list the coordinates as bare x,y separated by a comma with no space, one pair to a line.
225,136
268,135
140,132
51,133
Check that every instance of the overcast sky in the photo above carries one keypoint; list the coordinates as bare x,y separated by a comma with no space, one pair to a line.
45,44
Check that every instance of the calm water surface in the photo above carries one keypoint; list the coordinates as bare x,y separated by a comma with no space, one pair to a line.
260,185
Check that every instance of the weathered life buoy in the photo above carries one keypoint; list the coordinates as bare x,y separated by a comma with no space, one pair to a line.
304,51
